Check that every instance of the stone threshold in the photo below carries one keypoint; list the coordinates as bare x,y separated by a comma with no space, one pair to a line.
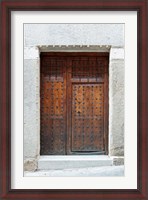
74,161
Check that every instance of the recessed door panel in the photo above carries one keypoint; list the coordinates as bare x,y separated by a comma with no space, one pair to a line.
87,117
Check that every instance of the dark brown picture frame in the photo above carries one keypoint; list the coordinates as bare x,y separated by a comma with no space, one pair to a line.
141,6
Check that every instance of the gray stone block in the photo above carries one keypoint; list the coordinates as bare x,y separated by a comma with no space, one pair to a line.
118,161
30,165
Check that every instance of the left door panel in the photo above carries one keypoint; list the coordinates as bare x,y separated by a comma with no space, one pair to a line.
53,105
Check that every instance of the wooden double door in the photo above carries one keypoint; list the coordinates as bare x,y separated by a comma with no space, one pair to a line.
74,103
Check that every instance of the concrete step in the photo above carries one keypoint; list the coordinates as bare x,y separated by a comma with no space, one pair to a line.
67,162
80,172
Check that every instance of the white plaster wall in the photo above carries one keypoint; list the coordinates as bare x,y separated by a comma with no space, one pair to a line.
35,35
116,102
31,107
72,34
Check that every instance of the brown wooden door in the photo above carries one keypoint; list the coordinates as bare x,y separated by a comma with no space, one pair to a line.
74,103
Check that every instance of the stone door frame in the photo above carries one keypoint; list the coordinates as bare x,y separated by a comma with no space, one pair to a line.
116,98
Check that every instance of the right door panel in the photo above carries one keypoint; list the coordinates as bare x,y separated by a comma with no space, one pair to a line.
89,98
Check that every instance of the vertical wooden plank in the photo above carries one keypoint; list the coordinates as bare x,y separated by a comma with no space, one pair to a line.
65,104
69,102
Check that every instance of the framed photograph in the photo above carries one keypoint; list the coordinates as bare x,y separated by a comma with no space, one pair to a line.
73,99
